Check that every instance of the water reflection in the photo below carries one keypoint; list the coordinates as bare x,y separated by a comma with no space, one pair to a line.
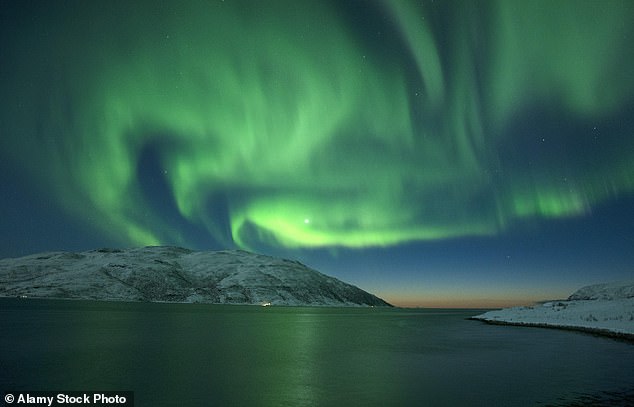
172,354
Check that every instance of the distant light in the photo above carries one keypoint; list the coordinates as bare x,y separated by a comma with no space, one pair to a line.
307,221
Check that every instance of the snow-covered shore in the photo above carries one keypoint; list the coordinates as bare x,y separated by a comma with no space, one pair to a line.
606,309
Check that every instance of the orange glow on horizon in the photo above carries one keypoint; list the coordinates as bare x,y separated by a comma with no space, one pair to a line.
461,303
466,300
494,295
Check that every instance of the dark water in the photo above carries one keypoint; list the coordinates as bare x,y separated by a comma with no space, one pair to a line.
203,355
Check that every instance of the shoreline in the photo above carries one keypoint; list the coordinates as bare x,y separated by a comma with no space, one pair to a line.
622,336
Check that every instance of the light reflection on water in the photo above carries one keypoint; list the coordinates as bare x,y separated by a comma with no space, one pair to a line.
187,354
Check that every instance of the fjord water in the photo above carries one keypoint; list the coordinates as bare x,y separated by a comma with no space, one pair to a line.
207,355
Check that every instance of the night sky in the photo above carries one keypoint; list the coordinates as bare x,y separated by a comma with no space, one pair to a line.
435,153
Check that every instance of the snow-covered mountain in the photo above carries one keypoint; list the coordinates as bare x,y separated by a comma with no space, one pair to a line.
609,291
602,308
174,274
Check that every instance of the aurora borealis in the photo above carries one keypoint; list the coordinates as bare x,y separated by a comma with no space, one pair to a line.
325,130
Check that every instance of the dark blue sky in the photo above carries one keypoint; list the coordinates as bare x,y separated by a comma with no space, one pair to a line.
434,153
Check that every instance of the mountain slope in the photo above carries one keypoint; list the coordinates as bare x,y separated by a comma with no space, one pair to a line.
174,274
608,291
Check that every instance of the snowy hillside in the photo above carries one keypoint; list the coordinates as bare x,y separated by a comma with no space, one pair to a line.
603,308
611,291
174,274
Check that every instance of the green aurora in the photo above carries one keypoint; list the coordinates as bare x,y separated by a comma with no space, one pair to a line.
321,124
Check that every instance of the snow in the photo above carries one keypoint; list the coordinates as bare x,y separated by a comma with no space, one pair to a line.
173,274
602,308
608,291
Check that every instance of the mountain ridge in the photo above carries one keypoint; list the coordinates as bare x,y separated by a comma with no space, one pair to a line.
176,274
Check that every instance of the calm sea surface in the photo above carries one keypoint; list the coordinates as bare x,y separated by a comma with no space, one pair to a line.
207,355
